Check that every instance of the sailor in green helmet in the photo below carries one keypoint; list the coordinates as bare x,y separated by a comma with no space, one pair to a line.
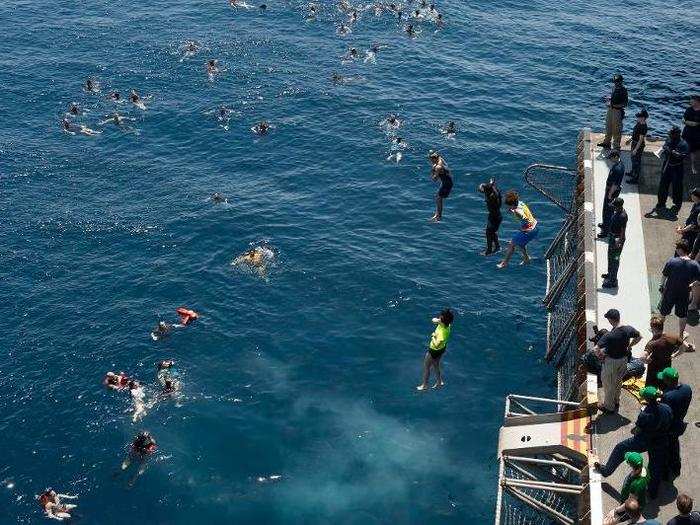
437,347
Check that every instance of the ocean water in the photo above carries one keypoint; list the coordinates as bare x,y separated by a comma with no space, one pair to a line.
309,374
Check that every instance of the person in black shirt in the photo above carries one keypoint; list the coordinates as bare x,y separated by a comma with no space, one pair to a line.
686,516
492,196
616,112
616,240
691,129
674,151
677,396
612,190
678,274
638,140
689,232
614,349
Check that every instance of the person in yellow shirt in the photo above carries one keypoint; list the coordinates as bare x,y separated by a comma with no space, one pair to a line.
437,347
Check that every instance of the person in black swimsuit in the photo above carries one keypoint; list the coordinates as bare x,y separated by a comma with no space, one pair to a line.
691,130
492,196
440,171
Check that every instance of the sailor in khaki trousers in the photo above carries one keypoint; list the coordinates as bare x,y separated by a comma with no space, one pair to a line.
616,112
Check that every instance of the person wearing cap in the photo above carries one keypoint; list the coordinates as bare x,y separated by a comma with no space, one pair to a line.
691,130
684,504
689,232
677,276
637,480
674,151
650,434
439,170
617,102
492,196
638,141
616,240
659,351
677,396
613,184
614,349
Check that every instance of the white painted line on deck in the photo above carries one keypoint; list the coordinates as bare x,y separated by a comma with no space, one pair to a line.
632,296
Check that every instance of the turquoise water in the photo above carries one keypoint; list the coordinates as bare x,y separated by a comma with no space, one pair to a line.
310,374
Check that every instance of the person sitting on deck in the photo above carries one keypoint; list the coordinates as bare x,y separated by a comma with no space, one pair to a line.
634,487
528,228
650,434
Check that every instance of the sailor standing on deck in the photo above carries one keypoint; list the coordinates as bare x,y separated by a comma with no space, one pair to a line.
614,348
674,151
617,102
638,141
616,240
613,185
678,397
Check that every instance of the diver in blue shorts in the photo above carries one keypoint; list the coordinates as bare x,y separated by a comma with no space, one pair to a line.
528,228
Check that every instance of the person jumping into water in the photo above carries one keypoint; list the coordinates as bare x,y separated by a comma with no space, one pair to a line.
492,196
528,228
436,348
440,171
50,501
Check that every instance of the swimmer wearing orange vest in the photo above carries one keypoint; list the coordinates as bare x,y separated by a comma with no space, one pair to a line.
50,501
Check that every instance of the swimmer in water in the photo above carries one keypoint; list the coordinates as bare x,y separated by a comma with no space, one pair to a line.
115,96
92,86
74,129
312,12
138,397
117,119
167,377
353,17
161,331
351,55
238,3
257,259
410,31
440,171
190,49
436,348
50,501
136,100
391,122
118,381
213,69
218,198
371,54
397,144
449,129
344,30
74,109
439,21
223,116
143,446
337,78
261,128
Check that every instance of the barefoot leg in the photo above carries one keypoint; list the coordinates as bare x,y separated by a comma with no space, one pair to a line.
427,363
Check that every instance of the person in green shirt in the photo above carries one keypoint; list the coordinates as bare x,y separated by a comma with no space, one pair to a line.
437,347
637,480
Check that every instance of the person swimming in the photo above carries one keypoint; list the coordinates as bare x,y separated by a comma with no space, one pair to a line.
92,86
337,78
312,12
449,129
186,315
371,53
238,3
410,31
137,100
213,68
218,198
392,122
142,447
397,145
138,397
118,381
351,55
257,259
261,128
74,109
50,501
74,129
223,116
344,30
117,119
161,331
115,96
189,49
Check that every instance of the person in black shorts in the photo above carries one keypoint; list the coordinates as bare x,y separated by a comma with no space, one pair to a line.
689,232
638,141
691,130
674,151
440,171
492,196
678,274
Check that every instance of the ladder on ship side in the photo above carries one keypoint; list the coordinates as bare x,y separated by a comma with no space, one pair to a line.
542,462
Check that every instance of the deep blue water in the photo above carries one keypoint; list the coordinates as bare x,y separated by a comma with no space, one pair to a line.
309,375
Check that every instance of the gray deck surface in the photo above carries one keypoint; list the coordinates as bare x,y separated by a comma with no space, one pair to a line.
647,249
